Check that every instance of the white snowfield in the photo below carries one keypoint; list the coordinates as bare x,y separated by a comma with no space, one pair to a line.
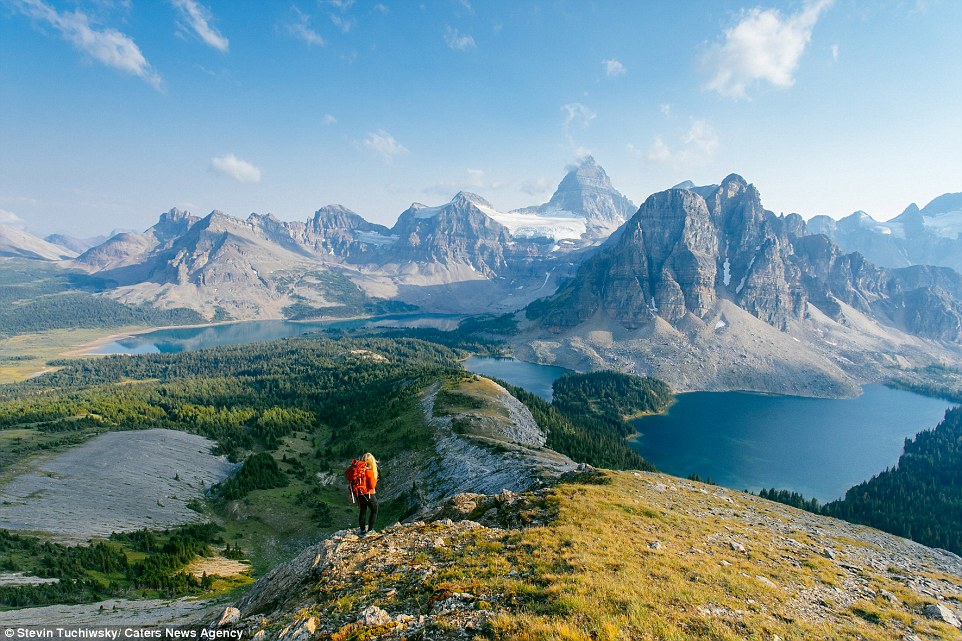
565,225
946,225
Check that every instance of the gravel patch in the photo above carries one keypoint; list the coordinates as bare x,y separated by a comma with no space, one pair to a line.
147,612
118,481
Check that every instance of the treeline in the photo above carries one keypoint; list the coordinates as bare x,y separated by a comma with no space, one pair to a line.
349,299
37,296
919,499
612,396
936,381
586,419
259,472
244,397
75,310
89,573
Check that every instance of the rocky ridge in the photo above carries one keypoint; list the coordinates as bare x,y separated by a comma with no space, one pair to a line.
704,563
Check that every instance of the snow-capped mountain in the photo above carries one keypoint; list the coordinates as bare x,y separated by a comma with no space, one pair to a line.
585,203
927,236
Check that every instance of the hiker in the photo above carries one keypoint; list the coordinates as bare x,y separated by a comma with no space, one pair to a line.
362,477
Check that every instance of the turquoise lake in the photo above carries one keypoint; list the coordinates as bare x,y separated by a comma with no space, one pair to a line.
815,446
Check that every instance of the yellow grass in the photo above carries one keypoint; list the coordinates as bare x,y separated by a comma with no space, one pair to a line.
47,346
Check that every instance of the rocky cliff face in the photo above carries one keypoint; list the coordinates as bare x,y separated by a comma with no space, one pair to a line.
455,233
681,252
678,270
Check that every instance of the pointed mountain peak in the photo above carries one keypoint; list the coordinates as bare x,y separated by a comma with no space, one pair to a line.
467,197
687,184
587,174
734,181
910,210
587,161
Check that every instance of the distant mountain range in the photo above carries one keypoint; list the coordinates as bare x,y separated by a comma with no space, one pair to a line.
700,286
464,255
927,236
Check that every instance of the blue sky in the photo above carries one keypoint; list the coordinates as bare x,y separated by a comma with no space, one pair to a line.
114,111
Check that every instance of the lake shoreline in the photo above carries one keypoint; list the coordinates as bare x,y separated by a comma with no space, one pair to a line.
88,349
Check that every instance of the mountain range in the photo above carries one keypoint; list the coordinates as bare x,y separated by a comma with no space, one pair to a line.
701,286
927,236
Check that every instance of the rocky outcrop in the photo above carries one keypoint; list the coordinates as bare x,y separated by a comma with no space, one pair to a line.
663,264
517,561
485,451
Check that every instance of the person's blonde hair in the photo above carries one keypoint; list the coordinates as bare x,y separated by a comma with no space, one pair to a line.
371,463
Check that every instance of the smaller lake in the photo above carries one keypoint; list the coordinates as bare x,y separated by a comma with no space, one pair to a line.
535,378
815,446
185,339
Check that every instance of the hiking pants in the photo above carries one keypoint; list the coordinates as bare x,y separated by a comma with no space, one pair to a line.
366,502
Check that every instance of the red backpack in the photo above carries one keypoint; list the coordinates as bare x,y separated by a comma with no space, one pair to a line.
356,476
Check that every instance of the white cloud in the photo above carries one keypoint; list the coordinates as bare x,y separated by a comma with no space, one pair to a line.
300,28
198,17
763,47
696,146
535,187
834,53
476,177
328,119
455,40
107,46
658,151
9,218
232,166
577,113
665,109
344,24
614,67
384,144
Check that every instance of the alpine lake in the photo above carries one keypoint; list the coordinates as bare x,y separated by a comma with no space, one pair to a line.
815,446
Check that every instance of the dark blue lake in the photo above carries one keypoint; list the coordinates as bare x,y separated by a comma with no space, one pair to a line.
818,447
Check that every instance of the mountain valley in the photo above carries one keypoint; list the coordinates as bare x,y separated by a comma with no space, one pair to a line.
699,288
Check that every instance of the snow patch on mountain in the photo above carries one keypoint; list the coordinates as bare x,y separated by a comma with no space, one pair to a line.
946,225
